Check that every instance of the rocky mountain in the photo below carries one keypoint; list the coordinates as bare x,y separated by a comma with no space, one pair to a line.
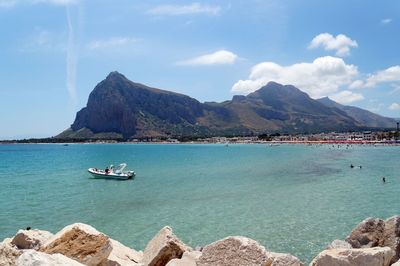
120,108
363,117
117,105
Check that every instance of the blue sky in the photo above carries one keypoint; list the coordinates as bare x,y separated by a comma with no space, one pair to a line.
54,52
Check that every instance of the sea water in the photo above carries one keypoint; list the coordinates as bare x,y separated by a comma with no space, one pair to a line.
290,198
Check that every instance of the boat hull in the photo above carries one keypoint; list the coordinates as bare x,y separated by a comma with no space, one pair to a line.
100,174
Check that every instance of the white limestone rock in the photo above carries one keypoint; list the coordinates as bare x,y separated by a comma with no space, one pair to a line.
367,234
234,251
189,258
8,253
31,239
164,247
282,259
35,258
80,242
391,236
352,257
122,256
396,263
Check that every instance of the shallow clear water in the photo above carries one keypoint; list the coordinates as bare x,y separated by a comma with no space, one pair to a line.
290,198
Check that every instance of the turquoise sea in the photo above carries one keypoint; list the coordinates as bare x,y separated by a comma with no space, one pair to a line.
290,198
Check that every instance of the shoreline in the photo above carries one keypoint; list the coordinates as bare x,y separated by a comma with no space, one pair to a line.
267,143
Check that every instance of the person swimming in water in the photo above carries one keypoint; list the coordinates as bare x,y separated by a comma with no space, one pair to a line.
383,179
351,166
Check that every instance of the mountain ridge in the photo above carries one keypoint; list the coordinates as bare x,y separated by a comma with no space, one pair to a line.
118,107
362,116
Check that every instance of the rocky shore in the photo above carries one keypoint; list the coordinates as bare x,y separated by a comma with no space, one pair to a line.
374,242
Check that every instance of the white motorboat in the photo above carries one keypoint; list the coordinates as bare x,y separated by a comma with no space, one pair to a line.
112,173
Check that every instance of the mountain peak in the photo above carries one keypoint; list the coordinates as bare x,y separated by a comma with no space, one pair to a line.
115,75
274,88
329,102
326,98
271,85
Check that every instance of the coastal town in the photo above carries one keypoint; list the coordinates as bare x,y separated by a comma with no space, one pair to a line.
363,137
391,137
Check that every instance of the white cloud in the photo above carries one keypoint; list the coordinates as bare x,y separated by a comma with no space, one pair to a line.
391,74
178,10
71,59
322,77
394,107
56,2
341,43
346,97
113,42
386,21
217,58
357,84
7,3
12,3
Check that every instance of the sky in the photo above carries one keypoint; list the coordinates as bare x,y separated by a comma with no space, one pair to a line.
54,52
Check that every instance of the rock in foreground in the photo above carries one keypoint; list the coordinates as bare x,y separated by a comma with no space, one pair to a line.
377,256
233,251
8,253
282,259
122,256
374,242
238,251
373,232
80,242
367,234
189,258
31,239
164,247
391,236
35,258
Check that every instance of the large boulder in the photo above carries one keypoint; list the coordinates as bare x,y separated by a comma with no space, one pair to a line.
282,259
352,257
31,239
35,258
368,233
80,242
8,253
391,236
164,247
396,263
234,251
189,258
122,256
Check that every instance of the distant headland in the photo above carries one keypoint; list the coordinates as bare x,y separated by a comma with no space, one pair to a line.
118,108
